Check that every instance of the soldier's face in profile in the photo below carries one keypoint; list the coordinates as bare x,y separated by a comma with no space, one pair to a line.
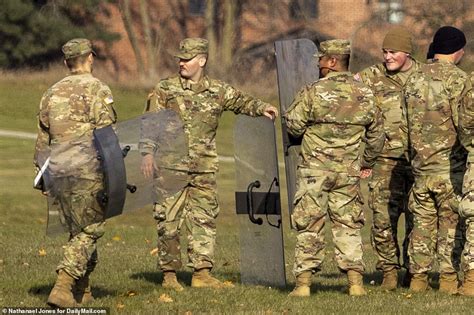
188,67
191,69
395,60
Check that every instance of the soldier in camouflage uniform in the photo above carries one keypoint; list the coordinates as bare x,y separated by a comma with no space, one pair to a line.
69,112
392,178
433,95
334,115
200,102
466,207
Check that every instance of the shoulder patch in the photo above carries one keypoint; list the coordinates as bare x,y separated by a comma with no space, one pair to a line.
109,100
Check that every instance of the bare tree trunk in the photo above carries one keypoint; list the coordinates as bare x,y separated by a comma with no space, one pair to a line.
211,30
149,43
128,23
228,36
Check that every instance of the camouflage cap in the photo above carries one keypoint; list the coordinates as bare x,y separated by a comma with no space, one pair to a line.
190,47
334,47
77,47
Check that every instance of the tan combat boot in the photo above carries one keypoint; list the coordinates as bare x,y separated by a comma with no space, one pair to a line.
61,295
419,282
467,288
203,279
448,283
356,285
303,283
82,291
390,280
170,281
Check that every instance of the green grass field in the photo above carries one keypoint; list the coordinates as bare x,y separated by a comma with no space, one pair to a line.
126,279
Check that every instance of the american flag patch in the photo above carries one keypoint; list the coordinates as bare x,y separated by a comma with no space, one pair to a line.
109,100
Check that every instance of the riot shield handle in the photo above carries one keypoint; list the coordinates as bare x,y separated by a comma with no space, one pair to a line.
125,151
251,186
131,188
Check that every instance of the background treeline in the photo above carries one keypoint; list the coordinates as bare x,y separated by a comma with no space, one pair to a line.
135,39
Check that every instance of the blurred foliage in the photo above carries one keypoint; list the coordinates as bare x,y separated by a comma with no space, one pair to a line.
33,31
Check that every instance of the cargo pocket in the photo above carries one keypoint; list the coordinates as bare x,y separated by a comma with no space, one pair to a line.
300,218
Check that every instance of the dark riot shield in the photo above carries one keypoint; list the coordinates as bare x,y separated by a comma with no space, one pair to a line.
111,158
262,260
296,67
165,131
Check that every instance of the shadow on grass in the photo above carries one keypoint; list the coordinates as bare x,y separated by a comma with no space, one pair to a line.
44,290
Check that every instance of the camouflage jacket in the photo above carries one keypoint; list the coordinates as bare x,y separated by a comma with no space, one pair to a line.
334,115
433,97
387,88
466,122
69,112
200,107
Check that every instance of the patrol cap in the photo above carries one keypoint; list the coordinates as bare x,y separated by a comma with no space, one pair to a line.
334,47
77,47
191,47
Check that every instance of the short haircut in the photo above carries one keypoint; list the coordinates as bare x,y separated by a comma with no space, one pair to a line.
75,62
343,60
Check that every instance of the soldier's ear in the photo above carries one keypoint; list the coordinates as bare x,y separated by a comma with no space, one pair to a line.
202,60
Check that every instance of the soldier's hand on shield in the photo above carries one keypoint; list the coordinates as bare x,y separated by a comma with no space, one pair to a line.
365,172
148,165
271,112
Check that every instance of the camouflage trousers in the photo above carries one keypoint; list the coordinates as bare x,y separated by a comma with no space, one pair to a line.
81,213
388,199
437,230
321,194
466,212
196,206
80,253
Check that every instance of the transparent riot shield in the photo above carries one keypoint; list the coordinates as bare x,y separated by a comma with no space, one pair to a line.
55,223
126,188
296,67
164,131
262,260
45,183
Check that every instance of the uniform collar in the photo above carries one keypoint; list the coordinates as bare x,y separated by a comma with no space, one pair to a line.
337,73
78,72
443,61
199,87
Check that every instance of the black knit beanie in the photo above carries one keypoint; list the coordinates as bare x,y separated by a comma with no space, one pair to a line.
448,40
